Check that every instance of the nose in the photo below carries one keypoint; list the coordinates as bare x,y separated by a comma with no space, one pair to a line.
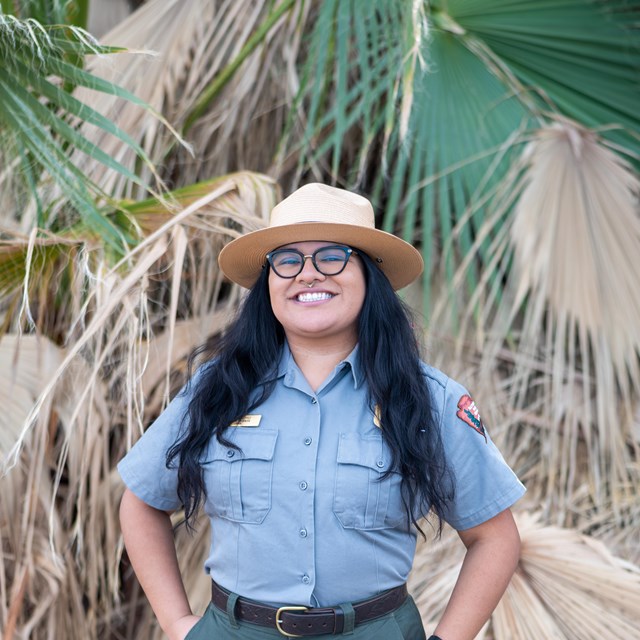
309,271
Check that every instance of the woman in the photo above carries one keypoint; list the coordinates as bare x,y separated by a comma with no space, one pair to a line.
315,440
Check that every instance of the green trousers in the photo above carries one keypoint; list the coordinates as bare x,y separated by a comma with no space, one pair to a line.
402,624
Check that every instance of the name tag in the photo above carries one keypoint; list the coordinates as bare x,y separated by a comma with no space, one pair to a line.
250,420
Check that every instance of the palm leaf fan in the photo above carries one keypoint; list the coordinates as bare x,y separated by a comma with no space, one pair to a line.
567,586
420,105
568,254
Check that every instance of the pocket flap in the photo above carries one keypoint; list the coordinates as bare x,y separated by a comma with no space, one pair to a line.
365,451
255,444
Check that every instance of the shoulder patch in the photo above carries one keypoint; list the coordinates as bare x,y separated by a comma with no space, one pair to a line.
469,414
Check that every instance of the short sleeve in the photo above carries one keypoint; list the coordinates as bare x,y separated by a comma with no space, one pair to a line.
484,484
144,469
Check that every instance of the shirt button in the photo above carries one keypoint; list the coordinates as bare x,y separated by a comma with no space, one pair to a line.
306,579
380,463
303,533
314,401
230,453
303,486
307,441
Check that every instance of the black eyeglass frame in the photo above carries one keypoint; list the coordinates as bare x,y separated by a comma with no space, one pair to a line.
348,252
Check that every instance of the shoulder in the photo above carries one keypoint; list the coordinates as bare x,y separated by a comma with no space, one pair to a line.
451,401
197,377
441,385
434,376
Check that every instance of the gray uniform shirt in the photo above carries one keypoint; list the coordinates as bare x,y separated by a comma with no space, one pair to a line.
300,516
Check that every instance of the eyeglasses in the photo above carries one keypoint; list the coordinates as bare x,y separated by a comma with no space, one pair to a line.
329,261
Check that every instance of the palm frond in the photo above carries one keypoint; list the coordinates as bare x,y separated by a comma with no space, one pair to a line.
139,321
201,49
50,12
568,586
36,113
580,58
571,301
438,109
25,365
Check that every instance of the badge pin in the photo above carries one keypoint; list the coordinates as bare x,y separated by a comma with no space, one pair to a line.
377,417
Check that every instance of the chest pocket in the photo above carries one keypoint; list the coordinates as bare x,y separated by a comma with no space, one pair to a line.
238,483
361,499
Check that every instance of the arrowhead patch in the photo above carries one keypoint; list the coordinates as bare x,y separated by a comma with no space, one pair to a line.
469,414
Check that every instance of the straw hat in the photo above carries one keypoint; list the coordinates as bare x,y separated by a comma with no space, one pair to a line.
318,212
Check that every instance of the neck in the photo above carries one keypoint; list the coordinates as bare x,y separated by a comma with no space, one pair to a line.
317,359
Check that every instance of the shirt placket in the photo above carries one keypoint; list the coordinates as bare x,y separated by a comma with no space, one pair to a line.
305,451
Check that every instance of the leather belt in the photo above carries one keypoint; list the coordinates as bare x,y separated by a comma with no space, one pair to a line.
298,621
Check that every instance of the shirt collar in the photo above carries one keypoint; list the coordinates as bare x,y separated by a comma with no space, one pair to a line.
356,370
286,360
288,366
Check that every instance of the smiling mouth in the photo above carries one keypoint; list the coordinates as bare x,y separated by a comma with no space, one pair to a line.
313,297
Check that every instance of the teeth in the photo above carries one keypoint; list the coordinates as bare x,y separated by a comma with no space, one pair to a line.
313,297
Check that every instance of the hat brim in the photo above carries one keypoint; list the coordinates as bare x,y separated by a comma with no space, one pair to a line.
242,259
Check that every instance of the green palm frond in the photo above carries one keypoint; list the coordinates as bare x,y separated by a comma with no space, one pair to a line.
575,57
72,12
436,100
38,120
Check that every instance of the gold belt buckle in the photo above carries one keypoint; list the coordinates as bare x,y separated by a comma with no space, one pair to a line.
278,621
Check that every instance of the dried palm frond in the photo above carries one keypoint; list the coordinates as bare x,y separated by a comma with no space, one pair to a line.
61,547
562,283
567,586
519,433
616,523
25,366
167,32
197,45
35,520
575,239
117,294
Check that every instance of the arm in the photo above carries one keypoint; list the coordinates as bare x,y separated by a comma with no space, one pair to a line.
493,550
148,537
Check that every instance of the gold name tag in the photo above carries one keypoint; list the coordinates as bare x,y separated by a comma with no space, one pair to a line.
376,417
250,420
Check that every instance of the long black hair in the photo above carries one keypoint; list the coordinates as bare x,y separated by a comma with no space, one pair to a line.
389,355
244,371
